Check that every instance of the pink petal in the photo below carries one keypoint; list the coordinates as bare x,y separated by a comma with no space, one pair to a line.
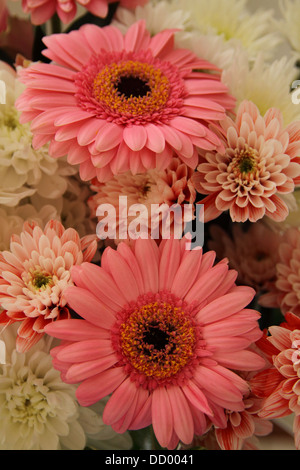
99,386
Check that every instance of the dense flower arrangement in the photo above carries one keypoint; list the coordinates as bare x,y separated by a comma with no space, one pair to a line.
108,111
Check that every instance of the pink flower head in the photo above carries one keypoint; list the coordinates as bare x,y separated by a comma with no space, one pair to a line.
42,10
279,385
253,253
284,292
260,163
116,103
172,186
34,275
163,331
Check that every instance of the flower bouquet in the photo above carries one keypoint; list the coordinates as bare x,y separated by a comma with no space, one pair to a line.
149,236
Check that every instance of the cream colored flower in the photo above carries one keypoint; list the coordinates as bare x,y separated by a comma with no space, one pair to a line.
267,85
12,220
38,411
25,171
288,25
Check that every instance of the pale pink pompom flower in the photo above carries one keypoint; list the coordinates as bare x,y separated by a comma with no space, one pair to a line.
162,330
252,252
34,275
170,187
42,10
284,291
115,102
260,164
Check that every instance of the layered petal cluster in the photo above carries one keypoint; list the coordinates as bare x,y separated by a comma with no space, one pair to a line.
252,252
117,102
24,171
164,188
243,427
162,330
279,384
42,10
260,163
34,275
38,411
284,292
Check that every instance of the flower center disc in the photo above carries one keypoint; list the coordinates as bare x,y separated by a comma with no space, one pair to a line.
158,339
131,87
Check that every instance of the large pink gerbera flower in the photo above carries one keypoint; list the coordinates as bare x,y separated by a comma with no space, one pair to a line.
42,10
279,385
115,103
34,275
260,163
163,331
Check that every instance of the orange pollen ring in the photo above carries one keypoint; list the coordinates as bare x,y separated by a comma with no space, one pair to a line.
158,340
105,88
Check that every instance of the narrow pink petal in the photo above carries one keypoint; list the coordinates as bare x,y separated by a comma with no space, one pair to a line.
146,255
182,416
109,137
99,386
225,306
75,330
187,273
135,137
169,264
197,398
87,350
244,360
120,402
122,275
89,307
137,37
84,370
206,284
156,140
162,416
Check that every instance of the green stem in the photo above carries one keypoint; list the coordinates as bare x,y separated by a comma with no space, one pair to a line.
55,24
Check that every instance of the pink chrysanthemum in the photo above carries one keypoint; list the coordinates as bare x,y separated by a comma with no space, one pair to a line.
115,103
163,331
253,253
260,163
34,275
169,187
42,10
243,426
284,292
279,385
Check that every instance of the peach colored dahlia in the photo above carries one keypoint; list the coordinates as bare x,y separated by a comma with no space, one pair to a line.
42,10
163,331
279,385
34,275
284,292
116,103
252,252
260,163
170,186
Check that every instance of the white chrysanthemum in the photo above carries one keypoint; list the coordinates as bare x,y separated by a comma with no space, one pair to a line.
158,14
267,85
227,19
232,20
289,24
38,411
71,207
23,170
12,220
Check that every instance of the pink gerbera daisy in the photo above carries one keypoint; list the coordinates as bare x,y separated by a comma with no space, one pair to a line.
260,163
163,331
42,10
279,385
115,103
34,275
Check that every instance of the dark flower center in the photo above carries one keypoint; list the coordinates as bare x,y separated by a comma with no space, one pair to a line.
131,86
